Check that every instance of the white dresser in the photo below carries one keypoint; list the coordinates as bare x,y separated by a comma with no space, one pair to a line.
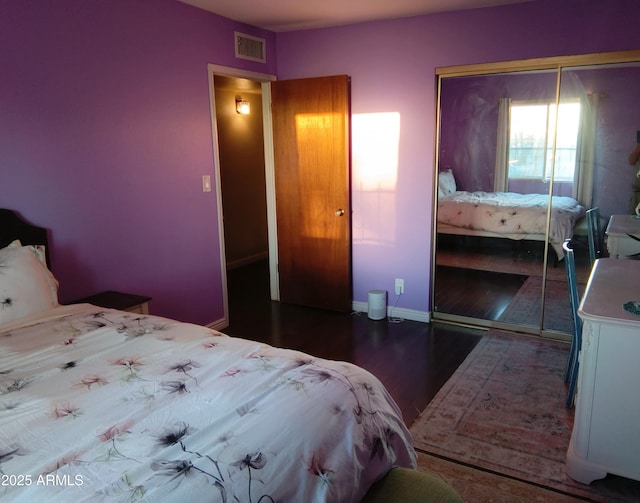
606,430
620,244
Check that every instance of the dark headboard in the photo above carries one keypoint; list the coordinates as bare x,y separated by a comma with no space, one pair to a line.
13,226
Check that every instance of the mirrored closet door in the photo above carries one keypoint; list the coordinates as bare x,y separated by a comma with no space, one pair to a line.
602,103
523,150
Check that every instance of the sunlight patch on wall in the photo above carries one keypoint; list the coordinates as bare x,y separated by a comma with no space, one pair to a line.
375,139
375,147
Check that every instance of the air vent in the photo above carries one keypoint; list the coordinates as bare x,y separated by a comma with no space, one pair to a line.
249,47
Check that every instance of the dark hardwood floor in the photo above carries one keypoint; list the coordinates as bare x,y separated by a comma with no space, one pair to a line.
475,293
412,359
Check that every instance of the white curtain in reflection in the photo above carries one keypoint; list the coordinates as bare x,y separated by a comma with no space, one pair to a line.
500,181
585,154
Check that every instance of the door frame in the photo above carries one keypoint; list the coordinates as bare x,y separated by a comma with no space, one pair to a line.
267,127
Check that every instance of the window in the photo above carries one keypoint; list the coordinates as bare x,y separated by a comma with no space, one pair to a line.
531,133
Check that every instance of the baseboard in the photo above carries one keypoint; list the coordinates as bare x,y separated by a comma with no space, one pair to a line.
396,312
218,324
362,307
248,260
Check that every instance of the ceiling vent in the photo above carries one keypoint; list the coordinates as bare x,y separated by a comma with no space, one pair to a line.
250,47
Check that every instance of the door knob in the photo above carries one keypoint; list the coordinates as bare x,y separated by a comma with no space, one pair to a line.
339,212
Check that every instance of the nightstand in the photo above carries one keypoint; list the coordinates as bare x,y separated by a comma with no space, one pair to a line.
118,300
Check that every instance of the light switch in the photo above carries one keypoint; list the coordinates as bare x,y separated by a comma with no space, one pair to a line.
206,183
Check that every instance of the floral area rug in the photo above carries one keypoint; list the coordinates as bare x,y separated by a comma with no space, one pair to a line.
480,486
525,307
503,411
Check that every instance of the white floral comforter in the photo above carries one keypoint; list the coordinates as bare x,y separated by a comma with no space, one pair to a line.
516,216
103,405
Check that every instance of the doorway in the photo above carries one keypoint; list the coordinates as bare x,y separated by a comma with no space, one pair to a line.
244,173
317,128
242,176
238,114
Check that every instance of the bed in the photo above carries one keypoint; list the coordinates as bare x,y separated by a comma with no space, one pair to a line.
106,405
505,214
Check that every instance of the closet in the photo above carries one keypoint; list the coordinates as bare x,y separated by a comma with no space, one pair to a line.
557,132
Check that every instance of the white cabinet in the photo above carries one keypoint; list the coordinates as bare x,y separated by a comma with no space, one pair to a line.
621,228
606,430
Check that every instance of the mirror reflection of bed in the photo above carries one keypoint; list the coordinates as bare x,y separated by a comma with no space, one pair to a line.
496,143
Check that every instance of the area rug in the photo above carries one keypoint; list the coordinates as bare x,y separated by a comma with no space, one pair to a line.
481,486
525,307
503,411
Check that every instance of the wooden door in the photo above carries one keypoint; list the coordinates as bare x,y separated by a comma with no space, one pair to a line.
311,126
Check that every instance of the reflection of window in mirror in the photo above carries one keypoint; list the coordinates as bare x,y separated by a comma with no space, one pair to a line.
496,131
531,135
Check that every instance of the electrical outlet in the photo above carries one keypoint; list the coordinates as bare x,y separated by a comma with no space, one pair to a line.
399,286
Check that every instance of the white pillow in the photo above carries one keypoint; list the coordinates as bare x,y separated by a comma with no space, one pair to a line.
446,183
39,250
26,285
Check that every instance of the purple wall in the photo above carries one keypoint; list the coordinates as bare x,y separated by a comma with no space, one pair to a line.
468,132
392,65
105,133
617,123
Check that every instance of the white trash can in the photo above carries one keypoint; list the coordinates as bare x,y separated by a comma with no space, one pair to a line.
377,304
